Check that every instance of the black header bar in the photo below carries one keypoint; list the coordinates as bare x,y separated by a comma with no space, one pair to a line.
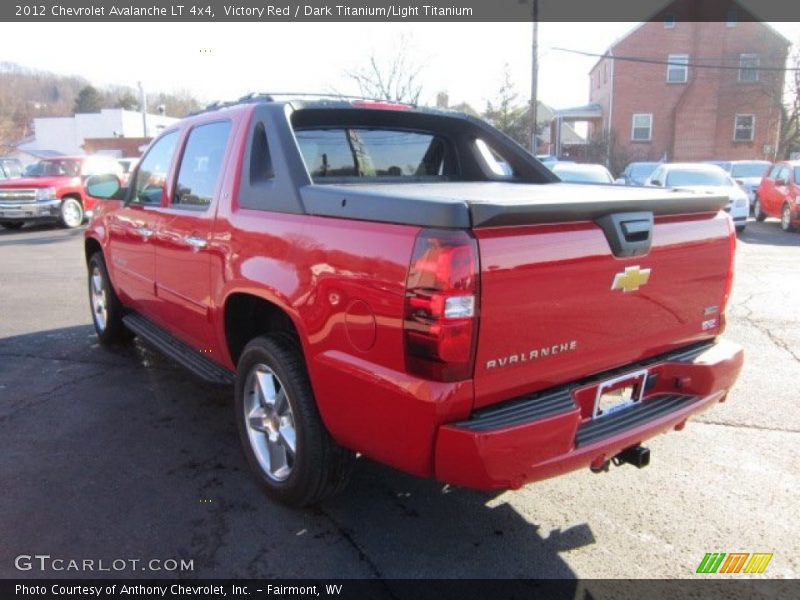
341,11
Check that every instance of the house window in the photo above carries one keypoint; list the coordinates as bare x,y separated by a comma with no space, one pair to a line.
642,127
748,67
743,128
669,22
677,68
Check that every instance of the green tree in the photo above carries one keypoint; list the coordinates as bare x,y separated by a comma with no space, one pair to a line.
89,100
126,101
393,80
507,113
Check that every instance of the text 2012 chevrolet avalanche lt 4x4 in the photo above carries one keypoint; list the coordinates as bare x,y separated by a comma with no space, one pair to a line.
412,285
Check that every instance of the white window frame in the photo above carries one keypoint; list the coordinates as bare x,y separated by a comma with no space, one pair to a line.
649,128
752,126
742,68
674,58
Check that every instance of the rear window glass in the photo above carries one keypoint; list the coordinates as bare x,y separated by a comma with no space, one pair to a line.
640,172
371,153
697,177
749,169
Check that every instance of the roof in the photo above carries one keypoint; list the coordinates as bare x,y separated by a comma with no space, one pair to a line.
749,16
588,111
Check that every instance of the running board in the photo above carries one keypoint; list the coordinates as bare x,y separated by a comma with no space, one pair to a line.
177,350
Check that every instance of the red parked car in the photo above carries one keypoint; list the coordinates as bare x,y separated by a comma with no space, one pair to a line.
779,195
411,285
53,189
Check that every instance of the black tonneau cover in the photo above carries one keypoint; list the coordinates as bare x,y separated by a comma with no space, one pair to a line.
492,204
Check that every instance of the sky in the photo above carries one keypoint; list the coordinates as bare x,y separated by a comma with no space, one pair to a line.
223,61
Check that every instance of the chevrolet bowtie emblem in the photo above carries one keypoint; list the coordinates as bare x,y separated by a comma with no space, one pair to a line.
631,279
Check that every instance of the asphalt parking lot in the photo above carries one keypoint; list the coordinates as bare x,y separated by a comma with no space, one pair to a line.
124,455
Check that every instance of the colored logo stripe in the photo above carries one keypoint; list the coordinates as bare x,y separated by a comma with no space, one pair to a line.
758,562
720,562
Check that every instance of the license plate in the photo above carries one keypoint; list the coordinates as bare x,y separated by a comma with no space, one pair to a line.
619,393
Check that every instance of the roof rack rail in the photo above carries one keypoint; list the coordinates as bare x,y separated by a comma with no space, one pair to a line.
270,97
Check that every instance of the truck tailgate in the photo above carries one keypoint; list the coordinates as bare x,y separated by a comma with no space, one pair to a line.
557,305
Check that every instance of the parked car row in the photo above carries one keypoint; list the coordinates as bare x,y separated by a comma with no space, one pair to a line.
757,186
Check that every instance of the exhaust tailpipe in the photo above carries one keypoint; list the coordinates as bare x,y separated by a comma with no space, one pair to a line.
638,456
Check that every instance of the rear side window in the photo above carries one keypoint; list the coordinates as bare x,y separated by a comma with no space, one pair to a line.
371,153
201,165
151,178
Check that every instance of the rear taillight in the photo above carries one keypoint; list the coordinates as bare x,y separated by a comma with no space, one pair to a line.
441,306
729,280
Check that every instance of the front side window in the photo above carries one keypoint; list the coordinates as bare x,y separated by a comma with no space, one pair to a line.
677,68
748,67
642,127
201,165
151,178
773,174
744,126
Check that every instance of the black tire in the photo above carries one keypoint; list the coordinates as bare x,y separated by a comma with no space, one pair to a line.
70,213
786,218
110,329
319,468
759,214
12,224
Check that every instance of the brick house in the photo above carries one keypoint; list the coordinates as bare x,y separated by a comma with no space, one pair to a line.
681,111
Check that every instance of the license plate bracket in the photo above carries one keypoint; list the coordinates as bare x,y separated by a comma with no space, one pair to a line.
619,393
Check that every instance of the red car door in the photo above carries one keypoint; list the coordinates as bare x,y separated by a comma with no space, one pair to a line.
131,228
185,226
780,191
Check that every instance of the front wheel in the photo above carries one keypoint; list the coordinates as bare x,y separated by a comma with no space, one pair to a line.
758,213
12,224
70,213
107,311
286,444
786,218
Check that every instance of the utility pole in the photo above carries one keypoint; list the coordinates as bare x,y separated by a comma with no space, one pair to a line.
534,75
143,104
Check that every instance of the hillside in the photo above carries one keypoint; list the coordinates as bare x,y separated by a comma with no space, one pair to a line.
27,93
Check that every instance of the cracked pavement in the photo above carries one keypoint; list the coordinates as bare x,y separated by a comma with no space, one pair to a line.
121,454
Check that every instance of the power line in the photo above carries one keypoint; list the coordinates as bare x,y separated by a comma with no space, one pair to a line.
653,61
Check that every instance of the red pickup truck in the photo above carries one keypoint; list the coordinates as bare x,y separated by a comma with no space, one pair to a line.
411,285
53,189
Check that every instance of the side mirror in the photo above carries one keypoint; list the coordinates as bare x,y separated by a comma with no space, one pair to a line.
739,181
655,183
780,182
105,187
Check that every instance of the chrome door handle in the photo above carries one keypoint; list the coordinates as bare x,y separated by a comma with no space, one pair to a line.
145,232
196,242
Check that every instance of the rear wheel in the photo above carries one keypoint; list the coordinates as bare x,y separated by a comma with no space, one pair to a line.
12,224
107,310
286,444
70,213
759,214
786,218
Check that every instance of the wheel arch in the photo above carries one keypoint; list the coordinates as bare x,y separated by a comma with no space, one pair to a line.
247,315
